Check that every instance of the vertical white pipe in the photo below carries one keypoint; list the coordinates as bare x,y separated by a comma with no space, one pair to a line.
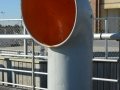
70,65
33,66
25,41
106,41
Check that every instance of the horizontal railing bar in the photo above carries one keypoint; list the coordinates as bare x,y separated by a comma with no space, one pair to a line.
15,36
23,85
23,71
14,55
42,57
105,79
10,51
16,84
42,73
11,19
111,36
41,88
103,18
105,60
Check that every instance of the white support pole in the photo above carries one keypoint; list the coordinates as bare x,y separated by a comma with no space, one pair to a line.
70,65
25,41
106,41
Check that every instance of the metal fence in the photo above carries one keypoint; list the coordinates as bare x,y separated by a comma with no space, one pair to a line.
27,71
106,66
113,24
16,27
23,62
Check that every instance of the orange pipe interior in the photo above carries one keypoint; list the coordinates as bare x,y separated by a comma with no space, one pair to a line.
50,22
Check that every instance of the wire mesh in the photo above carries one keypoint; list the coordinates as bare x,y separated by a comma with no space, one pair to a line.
24,47
20,47
17,46
11,26
106,49
99,49
113,24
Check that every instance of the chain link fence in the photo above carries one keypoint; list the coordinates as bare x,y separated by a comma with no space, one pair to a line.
14,46
17,27
16,57
102,49
112,22
107,73
99,49
106,25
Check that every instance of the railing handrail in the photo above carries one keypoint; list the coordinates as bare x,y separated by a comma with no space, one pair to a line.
111,36
13,36
11,19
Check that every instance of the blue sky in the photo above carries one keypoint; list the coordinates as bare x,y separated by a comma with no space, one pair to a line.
10,9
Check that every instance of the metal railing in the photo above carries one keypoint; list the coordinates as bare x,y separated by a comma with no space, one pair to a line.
112,23
106,72
12,31
112,36
32,56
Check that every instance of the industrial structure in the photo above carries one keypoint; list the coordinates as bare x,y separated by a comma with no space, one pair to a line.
68,27
28,66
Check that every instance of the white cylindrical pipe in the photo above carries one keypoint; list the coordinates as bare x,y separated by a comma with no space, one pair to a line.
70,59
70,65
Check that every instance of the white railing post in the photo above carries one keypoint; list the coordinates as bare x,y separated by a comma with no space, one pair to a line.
33,66
25,41
106,41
